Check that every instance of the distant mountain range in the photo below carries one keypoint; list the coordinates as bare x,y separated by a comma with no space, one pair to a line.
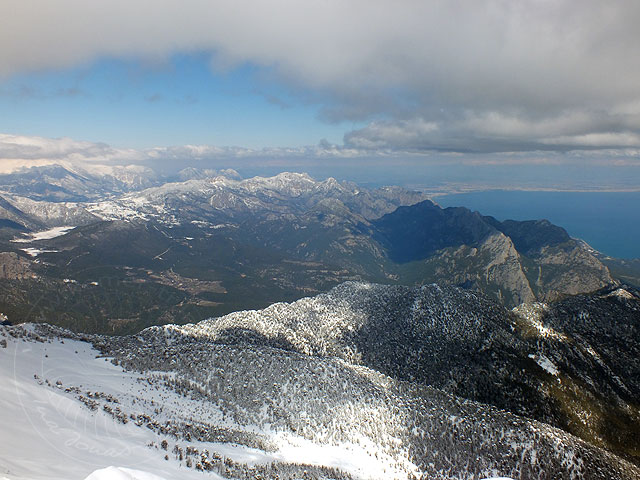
70,183
213,243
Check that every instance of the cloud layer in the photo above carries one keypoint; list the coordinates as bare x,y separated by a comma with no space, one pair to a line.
461,75
19,151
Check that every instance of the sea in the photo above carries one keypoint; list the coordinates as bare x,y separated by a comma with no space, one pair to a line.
608,221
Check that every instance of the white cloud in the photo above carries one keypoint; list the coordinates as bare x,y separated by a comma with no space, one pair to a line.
404,133
479,70
40,148
20,151
626,139
493,131
17,152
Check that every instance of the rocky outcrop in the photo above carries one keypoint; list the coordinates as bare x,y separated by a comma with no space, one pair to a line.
512,261
567,269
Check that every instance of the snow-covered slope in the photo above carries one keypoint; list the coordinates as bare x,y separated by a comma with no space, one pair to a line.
66,411
169,403
121,473
47,433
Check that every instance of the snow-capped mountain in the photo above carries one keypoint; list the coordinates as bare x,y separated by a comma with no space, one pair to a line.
67,182
226,196
302,390
183,251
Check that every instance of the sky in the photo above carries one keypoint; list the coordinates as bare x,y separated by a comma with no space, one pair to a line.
529,91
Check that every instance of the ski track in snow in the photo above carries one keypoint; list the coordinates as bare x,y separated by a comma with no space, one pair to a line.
48,434
119,473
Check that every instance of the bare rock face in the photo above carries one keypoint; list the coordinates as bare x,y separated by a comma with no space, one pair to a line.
14,267
569,269
493,267
512,261
505,269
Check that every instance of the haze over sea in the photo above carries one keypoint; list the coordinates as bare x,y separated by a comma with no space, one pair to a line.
608,221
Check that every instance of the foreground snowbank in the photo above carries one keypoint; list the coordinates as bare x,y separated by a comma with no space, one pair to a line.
119,473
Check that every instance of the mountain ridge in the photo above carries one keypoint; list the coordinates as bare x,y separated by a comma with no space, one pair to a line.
265,240
191,392
465,344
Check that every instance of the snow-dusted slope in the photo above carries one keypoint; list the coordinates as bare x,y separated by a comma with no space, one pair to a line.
48,434
66,411
54,214
169,404
226,195
570,365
